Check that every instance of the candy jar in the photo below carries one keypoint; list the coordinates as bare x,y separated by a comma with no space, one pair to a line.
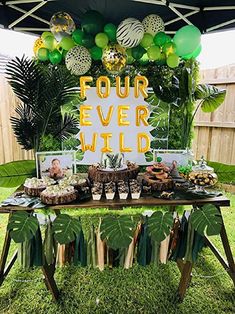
202,176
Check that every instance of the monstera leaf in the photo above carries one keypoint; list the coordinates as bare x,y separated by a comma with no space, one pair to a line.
22,226
159,225
212,97
117,231
65,228
207,220
14,173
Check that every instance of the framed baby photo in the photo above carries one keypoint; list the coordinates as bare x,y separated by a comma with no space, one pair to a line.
55,165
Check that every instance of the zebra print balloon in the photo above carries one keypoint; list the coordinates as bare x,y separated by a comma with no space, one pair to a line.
130,32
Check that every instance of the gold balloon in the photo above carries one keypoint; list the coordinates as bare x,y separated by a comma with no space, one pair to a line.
61,25
37,45
114,58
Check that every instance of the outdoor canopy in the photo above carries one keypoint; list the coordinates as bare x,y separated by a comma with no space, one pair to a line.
34,15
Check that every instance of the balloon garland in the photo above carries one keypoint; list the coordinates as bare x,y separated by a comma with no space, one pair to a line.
115,46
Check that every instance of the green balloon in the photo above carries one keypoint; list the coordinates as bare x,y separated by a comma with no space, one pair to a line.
194,54
147,40
49,42
43,54
162,59
67,43
130,59
64,53
101,40
88,41
169,48
144,59
154,53
187,39
55,57
111,31
78,36
45,34
92,22
161,38
138,52
172,60
96,53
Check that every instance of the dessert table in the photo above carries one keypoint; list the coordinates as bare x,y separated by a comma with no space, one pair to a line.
117,204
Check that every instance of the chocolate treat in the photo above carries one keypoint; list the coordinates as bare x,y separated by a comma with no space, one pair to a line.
123,190
110,189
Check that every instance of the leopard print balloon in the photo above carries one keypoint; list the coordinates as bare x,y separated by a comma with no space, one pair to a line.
78,60
153,24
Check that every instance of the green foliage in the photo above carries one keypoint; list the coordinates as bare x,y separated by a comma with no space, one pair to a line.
185,169
49,143
117,231
159,225
14,173
43,90
22,226
212,97
207,220
65,228
71,143
225,173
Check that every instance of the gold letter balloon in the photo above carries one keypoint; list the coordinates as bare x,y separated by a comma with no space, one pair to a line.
62,25
114,59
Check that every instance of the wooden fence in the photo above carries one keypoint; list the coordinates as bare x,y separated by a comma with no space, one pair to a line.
214,133
9,148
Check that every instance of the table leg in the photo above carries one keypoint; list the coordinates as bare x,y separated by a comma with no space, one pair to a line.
48,271
227,250
185,279
4,255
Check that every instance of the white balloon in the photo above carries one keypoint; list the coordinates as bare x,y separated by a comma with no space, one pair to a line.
153,24
130,32
78,60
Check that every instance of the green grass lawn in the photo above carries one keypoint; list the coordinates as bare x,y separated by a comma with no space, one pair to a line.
140,289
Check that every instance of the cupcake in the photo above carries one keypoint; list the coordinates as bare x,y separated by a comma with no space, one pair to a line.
123,190
110,189
96,191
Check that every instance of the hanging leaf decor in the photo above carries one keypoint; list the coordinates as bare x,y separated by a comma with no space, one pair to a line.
207,220
159,225
22,226
211,96
14,173
65,228
117,231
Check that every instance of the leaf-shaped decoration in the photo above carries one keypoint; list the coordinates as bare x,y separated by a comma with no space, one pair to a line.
207,220
117,231
66,228
14,173
22,226
159,225
212,97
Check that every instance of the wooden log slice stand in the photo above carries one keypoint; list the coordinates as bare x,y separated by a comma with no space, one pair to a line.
158,185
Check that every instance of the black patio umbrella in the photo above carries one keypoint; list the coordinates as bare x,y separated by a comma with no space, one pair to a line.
34,15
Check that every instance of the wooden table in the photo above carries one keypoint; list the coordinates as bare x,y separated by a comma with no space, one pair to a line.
184,267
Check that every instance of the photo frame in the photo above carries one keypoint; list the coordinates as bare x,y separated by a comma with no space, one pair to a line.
181,156
55,164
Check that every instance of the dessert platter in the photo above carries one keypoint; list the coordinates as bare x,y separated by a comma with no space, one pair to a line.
123,181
